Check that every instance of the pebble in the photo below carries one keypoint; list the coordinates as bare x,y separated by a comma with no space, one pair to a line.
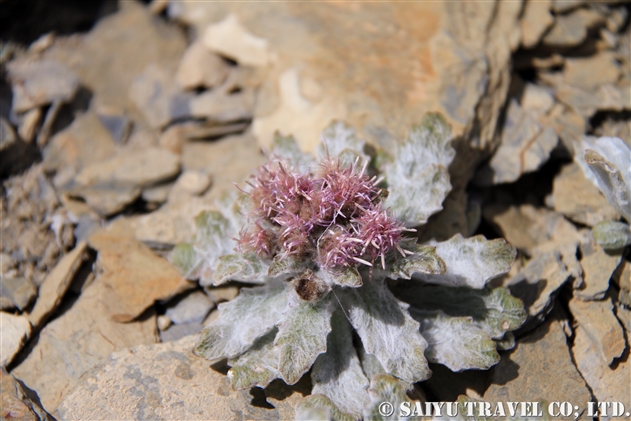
191,309
19,291
14,331
164,322
201,68
231,39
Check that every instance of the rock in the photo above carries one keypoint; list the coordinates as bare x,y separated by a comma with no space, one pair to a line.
7,134
598,266
586,102
157,194
132,167
539,368
191,309
116,123
106,199
571,30
599,323
164,381
201,68
164,322
20,292
219,106
568,124
617,18
537,285
14,401
622,277
174,137
222,293
177,332
525,146
191,183
156,96
40,82
577,198
14,330
107,62
609,383
562,6
535,21
81,338
536,99
593,71
54,287
135,274
42,43
229,38
28,124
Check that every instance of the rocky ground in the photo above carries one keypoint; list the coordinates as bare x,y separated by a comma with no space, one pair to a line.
120,123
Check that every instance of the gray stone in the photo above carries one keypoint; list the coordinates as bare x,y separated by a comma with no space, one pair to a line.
191,309
166,381
201,68
590,72
19,291
571,30
14,330
40,82
157,194
116,123
177,332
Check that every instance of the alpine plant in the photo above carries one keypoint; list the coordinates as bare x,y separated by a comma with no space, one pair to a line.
346,293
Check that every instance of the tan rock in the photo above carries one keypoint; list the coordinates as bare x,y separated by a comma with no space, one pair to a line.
222,293
77,341
220,106
29,123
14,402
571,30
590,72
135,274
598,267
14,331
54,287
165,381
201,68
191,183
535,21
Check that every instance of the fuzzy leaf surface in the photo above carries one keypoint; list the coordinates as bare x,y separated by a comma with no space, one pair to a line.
337,373
287,149
320,408
495,311
344,277
258,366
612,235
285,267
213,239
472,261
424,260
385,388
456,342
302,337
240,267
418,179
387,330
242,321
186,260
341,140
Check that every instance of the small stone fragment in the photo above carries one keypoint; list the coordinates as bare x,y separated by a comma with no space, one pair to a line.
586,102
231,39
40,82
7,134
590,72
177,332
29,123
20,291
222,293
14,331
164,322
14,402
191,309
107,199
116,123
571,30
598,266
537,99
536,19
598,321
157,194
622,277
192,183
42,43
222,107
201,68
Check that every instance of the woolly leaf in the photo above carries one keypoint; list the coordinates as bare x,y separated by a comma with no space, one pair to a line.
385,388
424,260
258,366
320,408
344,276
286,148
417,178
612,235
456,341
337,373
340,140
506,342
240,267
387,330
472,261
186,260
285,267
493,310
234,205
212,240
242,321
302,337
606,162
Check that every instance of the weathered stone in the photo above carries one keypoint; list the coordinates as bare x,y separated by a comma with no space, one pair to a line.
14,331
598,266
571,30
177,332
590,72
537,99
576,197
535,21
567,123
106,199
191,309
539,368
7,134
561,6
20,292
40,82
231,39
599,323
537,285
586,102
174,137
28,124
622,277
157,194
220,106
135,274
54,287
42,43
132,167
163,322
190,183
222,293
201,68
115,122
165,381
77,341
14,402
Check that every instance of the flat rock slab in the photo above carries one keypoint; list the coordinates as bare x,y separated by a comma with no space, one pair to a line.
14,331
136,276
539,368
163,381
598,267
14,402
78,340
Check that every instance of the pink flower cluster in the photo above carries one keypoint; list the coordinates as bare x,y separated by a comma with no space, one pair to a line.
333,216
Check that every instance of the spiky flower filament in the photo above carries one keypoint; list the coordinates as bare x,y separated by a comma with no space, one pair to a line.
332,215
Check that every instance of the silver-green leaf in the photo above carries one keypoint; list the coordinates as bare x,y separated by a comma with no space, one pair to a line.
320,408
385,388
340,140
612,235
344,277
258,366
424,260
240,267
